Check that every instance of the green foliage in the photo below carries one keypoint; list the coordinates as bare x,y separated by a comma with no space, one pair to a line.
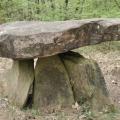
104,47
14,10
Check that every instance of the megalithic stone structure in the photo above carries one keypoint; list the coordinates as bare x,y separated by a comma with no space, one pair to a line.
52,87
86,80
20,78
30,39
23,41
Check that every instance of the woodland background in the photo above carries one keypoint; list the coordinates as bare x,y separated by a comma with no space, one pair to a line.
106,54
49,10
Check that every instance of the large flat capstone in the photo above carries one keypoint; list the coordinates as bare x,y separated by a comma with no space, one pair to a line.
30,39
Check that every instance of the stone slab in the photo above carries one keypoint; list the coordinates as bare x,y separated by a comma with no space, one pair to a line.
32,39
52,87
20,78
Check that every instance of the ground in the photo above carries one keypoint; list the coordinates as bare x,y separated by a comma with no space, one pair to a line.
109,63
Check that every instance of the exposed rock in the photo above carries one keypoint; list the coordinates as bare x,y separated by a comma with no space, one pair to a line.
20,78
52,87
87,81
30,39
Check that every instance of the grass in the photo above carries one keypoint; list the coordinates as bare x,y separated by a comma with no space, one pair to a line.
86,115
104,47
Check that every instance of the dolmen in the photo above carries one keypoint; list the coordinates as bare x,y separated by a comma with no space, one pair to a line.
60,77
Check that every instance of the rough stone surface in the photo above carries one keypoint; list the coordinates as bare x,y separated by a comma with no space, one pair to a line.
52,88
30,39
87,81
20,78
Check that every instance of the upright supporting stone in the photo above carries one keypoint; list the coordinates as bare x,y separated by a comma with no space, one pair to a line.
87,80
20,79
52,88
